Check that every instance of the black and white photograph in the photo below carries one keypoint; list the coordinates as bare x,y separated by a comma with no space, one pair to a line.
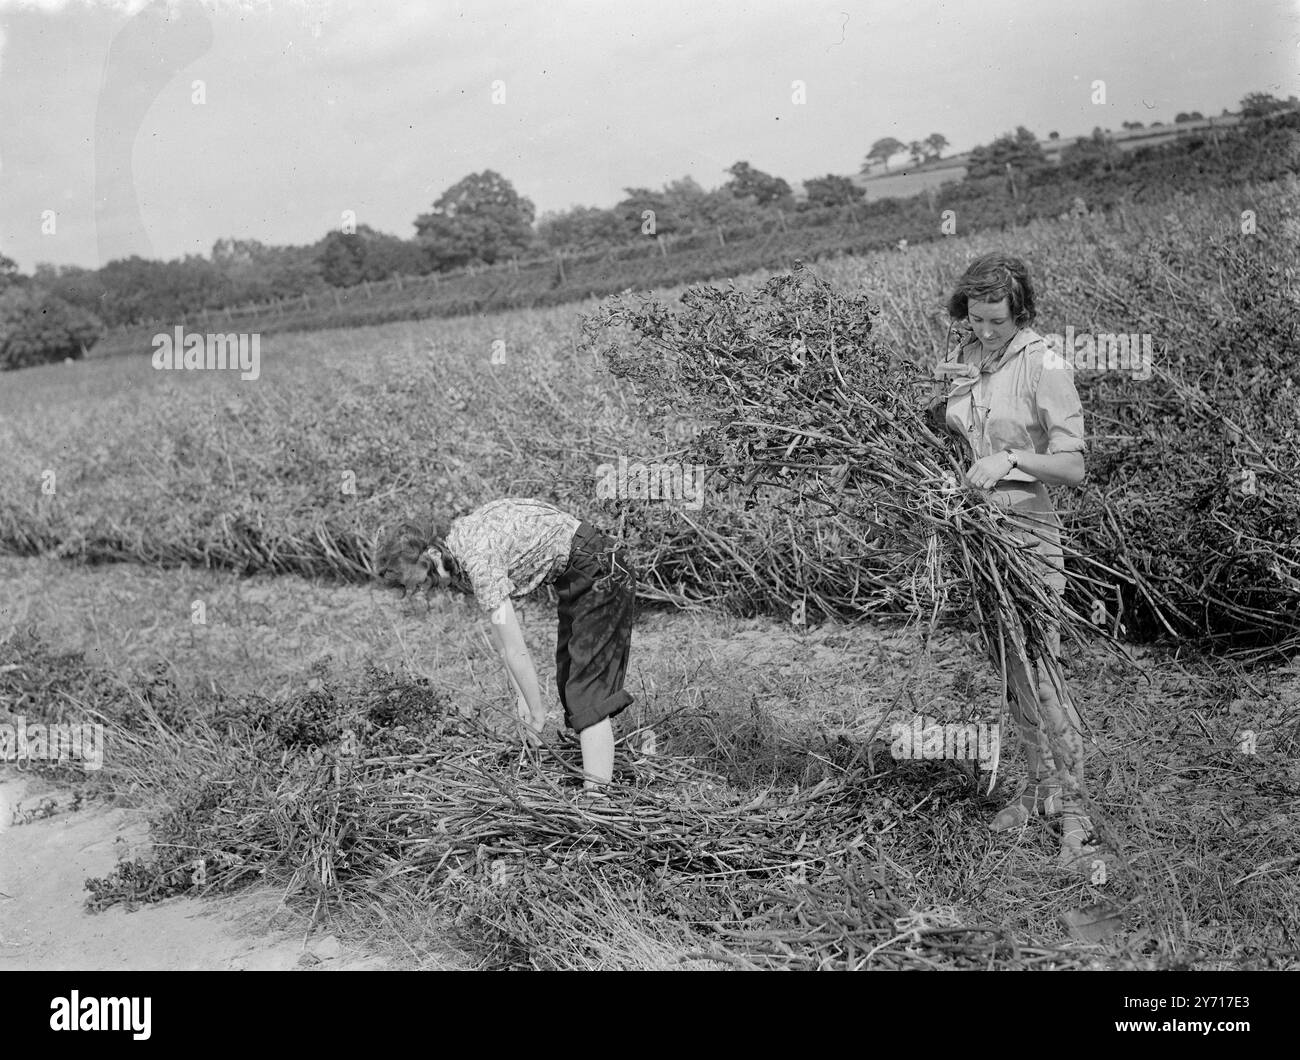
637,485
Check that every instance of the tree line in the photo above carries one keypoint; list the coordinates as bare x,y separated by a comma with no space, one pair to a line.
60,311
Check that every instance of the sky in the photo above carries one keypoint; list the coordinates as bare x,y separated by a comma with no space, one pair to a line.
158,128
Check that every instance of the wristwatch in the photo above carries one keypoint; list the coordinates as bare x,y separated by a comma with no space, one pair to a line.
1012,454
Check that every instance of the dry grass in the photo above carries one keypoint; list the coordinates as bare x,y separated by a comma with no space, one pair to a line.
754,841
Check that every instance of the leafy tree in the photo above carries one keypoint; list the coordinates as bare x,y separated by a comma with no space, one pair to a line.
228,251
928,150
684,207
342,258
1053,135
388,255
1021,150
130,290
347,258
882,151
749,183
37,327
700,210
75,285
668,217
1260,104
288,272
252,272
719,208
832,190
1090,156
479,218
686,198
586,228
136,289
8,272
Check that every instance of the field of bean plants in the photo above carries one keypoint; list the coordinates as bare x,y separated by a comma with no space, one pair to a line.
771,830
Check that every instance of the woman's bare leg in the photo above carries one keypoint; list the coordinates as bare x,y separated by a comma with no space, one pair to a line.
597,753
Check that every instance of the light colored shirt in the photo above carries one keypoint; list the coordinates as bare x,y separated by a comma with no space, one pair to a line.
509,547
1018,401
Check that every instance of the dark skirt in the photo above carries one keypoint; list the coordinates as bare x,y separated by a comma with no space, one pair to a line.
597,594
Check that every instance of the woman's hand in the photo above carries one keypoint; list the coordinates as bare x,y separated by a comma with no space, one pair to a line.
988,471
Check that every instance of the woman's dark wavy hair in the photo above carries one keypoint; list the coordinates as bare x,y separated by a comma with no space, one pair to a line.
991,278
406,542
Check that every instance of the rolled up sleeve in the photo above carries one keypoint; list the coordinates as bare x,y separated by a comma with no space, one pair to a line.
1060,412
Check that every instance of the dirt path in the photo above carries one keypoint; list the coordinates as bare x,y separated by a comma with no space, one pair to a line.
44,924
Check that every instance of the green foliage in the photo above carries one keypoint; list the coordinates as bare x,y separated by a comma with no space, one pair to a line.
749,183
480,218
1090,157
683,208
1261,104
832,190
342,259
882,151
928,150
1019,150
616,255
586,228
137,289
8,272
348,258
251,271
37,328
1215,300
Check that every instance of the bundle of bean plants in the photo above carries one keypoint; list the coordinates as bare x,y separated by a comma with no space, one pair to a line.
816,422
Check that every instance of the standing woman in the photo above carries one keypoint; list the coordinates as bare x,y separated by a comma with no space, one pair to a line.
1022,420
508,548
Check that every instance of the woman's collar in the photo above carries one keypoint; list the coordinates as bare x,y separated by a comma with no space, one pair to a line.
1022,338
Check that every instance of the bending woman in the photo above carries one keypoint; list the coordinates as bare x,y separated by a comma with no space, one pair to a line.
1021,417
508,548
